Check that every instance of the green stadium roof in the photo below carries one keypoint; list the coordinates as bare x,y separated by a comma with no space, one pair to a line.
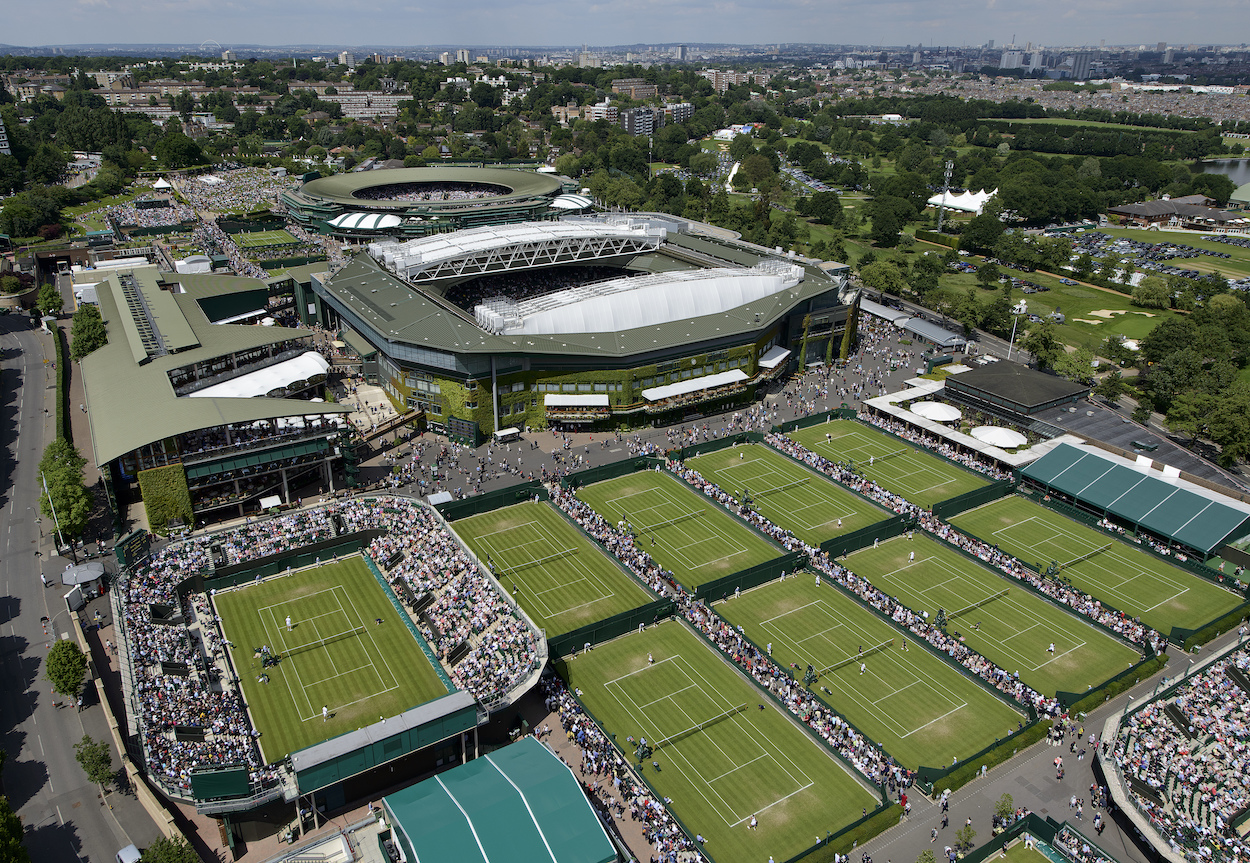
519,804
520,185
1167,506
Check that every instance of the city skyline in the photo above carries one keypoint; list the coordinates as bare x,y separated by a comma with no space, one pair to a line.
398,23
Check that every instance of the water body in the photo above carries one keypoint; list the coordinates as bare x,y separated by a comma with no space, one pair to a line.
1237,170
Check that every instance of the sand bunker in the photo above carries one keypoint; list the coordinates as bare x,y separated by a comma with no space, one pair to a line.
1110,313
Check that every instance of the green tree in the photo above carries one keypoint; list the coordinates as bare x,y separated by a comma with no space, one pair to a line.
926,856
965,836
982,232
826,209
1190,412
1229,426
1004,806
1111,387
1076,365
1152,293
95,759
11,832
49,300
165,850
988,275
68,494
176,150
1043,344
87,332
1168,337
65,666
884,277
885,227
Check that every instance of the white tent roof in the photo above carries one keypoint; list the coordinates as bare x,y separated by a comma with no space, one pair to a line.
571,202
999,436
258,383
366,221
694,385
776,356
936,411
968,202
162,183
560,400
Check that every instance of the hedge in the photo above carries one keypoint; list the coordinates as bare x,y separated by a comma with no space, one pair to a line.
965,773
1097,699
62,385
854,836
165,496
1216,628
939,239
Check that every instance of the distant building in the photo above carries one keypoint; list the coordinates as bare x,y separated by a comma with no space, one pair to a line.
1081,64
348,59
113,80
445,58
1191,211
1012,59
600,111
462,55
229,56
722,81
648,120
5,150
1161,47
680,52
635,88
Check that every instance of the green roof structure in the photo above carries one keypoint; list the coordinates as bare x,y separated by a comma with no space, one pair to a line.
1162,503
519,804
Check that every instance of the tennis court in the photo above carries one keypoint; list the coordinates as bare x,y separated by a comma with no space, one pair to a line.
261,239
916,705
561,578
809,505
334,654
684,531
1127,578
900,467
1003,621
719,756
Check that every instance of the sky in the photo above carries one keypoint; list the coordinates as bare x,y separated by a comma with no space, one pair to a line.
339,24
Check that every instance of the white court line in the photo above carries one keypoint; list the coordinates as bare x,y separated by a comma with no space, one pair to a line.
667,697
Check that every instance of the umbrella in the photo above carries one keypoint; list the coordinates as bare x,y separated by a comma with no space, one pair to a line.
999,436
936,411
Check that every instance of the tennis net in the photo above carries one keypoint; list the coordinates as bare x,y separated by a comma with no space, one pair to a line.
681,735
322,642
530,564
858,657
782,487
1086,556
683,517
890,455
978,603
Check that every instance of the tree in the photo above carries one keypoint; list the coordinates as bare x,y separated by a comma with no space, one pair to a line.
176,150
95,759
1076,365
885,227
1004,807
884,276
988,275
1229,426
65,666
87,332
165,850
1111,387
49,300
1168,337
982,232
1152,293
1043,344
926,856
11,832
963,839
1190,413
826,209
69,497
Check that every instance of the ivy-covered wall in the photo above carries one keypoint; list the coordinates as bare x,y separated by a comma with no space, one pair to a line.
165,496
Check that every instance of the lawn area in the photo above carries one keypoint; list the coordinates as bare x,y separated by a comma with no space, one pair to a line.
1013,628
91,214
746,762
902,468
1017,853
561,578
922,710
811,506
334,655
261,239
684,531
1236,265
1124,577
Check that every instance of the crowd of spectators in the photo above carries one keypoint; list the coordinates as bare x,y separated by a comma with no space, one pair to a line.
525,285
936,444
1077,848
432,192
243,190
1192,747
130,216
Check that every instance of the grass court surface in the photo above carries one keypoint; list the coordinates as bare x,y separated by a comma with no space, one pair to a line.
1016,628
746,762
260,239
1126,578
1017,853
561,578
900,467
923,711
807,504
684,531
360,672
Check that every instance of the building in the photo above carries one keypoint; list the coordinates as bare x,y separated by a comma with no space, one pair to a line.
1082,62
601,111
225,416
641,121
113,80
462,56
1019,390
644,320
1191,211
368,104
722,81
348,59
5,149
635,88
1013,59
229,56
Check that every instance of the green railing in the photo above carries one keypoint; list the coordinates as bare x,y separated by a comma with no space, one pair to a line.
698,449
609,471
815,420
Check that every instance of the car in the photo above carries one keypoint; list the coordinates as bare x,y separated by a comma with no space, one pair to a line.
129,854
1066,282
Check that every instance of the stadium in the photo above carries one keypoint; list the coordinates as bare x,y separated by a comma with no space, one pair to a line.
415,202
587,323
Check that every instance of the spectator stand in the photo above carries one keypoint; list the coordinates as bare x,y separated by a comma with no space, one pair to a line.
1056,840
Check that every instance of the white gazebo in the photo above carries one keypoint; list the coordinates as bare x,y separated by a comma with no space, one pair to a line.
999,436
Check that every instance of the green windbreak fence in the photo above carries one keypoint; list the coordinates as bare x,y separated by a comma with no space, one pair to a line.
1096,695
457,509
218,783
952,506
612,627
816,419
307,555
609,471
693,450
751,577
866,536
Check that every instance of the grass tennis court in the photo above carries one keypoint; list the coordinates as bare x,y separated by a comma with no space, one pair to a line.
335,655
1127,578
260,239
684,531
923,711
902,468
1016,627
745,762
561,578
807,504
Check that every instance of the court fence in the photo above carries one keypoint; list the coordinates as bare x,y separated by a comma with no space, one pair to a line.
688,452
403,615
609,471
1096,696
815,420
855,540
307,555
600,631
953,506
752,576
453,510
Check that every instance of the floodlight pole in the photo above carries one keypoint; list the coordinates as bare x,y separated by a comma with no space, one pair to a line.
946,184
1015,321
55,520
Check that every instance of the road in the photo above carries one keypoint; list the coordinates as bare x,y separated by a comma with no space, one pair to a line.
64,817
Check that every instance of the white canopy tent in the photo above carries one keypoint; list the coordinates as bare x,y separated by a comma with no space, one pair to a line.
694,385
936,411
965,202
776,356
568,400
258,383
999,436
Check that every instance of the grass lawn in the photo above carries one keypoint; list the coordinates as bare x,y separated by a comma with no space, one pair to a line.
684,531
362,670
747,762
923,711
1017,853
921,478
261,239
804,502
1125,577
1016,628
561,578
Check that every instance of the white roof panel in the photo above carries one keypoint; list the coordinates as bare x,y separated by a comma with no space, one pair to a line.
562,400
694,385
260,382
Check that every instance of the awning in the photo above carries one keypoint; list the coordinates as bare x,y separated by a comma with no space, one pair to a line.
358,343
559,400
258,383
82,573
776,356
937,411
234,319
999,436
694,385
